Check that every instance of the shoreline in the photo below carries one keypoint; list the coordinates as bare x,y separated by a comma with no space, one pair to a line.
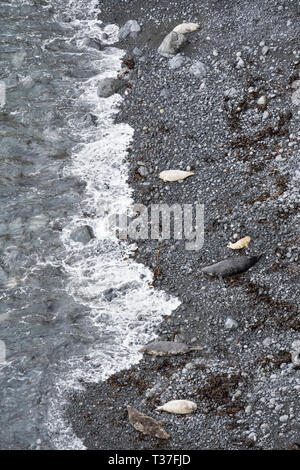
243,382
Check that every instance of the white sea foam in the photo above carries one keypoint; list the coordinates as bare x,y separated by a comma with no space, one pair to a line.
127,319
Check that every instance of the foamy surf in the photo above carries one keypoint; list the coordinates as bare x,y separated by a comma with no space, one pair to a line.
125,319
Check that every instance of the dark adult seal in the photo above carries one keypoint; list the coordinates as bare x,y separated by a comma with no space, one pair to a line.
231,266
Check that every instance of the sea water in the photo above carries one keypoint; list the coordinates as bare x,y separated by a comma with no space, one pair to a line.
74,305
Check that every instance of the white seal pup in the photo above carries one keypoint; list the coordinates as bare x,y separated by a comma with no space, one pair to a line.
185,28
242,243
181,407
175,175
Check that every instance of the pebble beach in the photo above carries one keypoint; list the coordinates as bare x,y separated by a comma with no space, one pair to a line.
225,107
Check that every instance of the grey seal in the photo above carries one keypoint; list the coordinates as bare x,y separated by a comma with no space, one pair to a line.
231,266
145,424
168,348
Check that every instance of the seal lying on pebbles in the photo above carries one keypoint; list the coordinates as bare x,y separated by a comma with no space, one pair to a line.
185,28
168,348
242,243
171,44
181,407
231,266
175,175
145,424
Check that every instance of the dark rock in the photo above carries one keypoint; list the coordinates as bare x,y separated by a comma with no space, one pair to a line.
109,86
198,69
176,62
110,294
83,234
95,43
131,28
143,171
137,52
3,276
